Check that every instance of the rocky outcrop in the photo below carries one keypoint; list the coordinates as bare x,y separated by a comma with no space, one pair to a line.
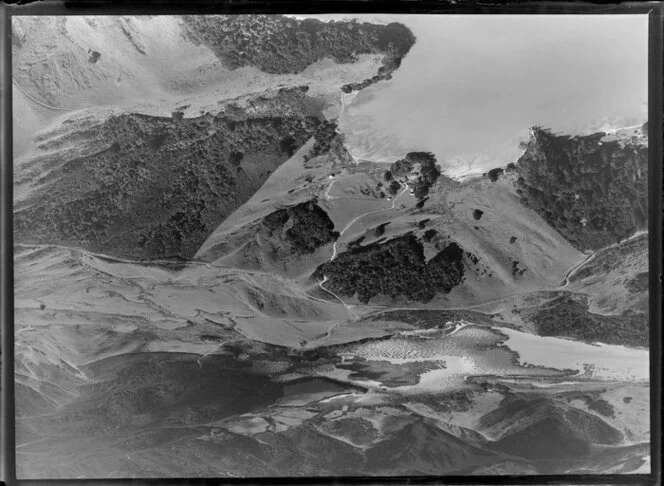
395,268
156,187
593,191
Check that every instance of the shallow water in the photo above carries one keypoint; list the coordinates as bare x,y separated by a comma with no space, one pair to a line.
472,86
437,363
608,362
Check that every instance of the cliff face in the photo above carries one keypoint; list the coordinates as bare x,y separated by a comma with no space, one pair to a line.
592,189
278,44
157,187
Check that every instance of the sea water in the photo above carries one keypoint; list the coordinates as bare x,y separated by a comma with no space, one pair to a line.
472,86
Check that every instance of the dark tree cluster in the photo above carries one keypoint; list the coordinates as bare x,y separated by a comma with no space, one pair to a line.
393,187
593,193
94,56
474,259
380,229
323,137
288,146
477,214
278,45
495,173
567,317
395,40
428,235
396,268
309,227
601,406
156,187
594,401
517,270
424,163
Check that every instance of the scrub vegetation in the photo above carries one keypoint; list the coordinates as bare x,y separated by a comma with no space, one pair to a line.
593,192
395,268
278,45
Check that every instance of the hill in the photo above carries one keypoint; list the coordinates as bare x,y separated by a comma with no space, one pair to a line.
592,189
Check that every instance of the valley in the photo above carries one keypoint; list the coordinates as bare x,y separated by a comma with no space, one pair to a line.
208,283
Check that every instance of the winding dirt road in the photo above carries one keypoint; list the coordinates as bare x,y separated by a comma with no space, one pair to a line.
351,313
590,257
112,259
40,103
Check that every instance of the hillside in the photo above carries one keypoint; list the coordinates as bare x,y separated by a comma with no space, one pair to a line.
616,279
154,175
156,187
210,282
394,268
508,246
277,44
592,189
159,64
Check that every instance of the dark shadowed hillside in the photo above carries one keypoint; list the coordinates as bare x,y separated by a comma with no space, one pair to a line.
593,191
305,227
569,317
429,450
522,422
394,268
157,187
417,168
229,264
278,44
